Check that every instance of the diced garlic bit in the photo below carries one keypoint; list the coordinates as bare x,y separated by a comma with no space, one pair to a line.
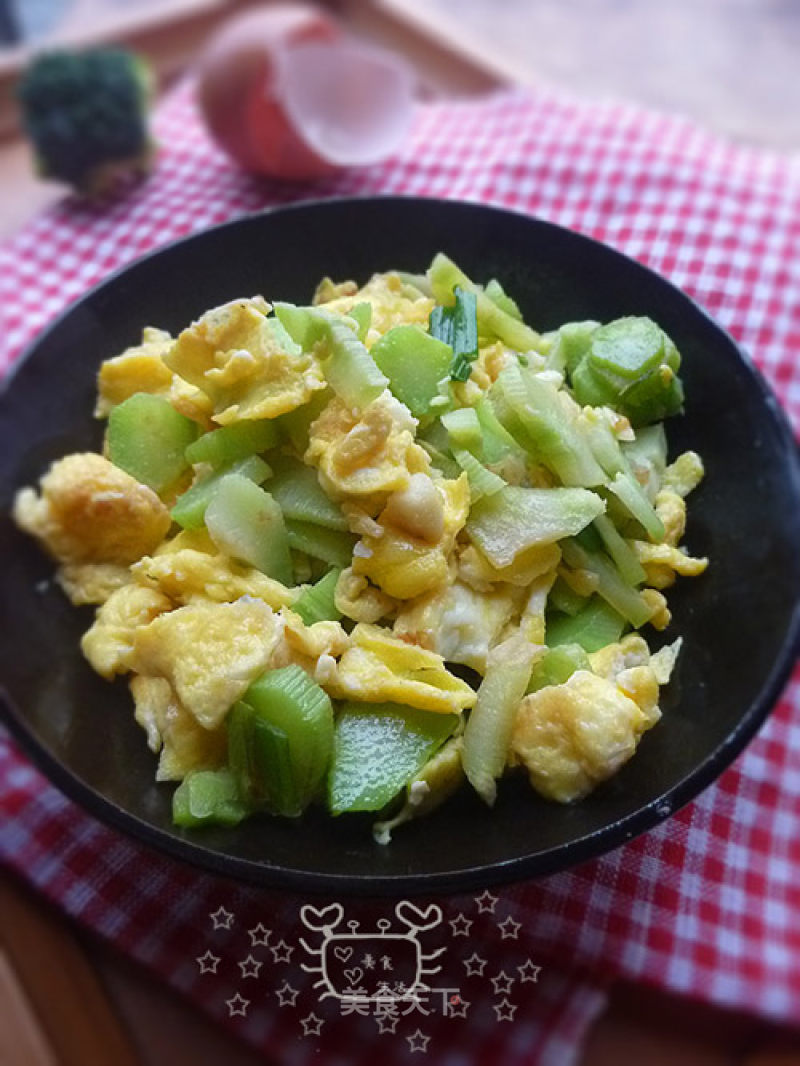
325,669
417,509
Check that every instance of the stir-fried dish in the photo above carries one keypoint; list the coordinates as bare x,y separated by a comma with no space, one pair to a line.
368,552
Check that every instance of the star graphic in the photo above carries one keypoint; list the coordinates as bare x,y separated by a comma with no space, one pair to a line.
486,902
237,1005
311,1025
509,929
502,983
528,972
505,1011
418,1041
282,952
286,994
259,936
250,966
475,965
386,1023
221,918
460,925
458,1009
208,963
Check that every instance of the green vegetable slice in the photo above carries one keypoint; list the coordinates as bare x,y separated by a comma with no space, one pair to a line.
377,749
349,368
415,363
513,519
244,521
297,489
557,665
189,510
225,445
331,545
488,730
317,603
208,797
148,439
482,482
592,628
611,586
280,739
534,414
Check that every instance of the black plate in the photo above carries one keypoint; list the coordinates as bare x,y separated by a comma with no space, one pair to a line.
739,621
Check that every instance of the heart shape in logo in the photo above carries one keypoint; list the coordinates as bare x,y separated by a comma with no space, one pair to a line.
416,918
321,918
342,954
354,976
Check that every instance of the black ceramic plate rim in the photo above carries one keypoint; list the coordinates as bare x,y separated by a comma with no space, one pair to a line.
517,868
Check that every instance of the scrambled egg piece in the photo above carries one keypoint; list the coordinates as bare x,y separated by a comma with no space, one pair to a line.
368,452
662,562
378,667
108,643
316,647
404,565
90,511
184,745
393,304
188,574
245,363
457,622
530,564
572,736
532,619
684,475
138,369
355,598
671,509
91,582
209,653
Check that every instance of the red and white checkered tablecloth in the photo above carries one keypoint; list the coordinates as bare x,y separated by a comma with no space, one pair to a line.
707,904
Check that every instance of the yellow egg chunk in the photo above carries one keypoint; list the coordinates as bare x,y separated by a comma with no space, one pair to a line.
188,574
378,667
235,355
90,511
360,453
662,562
138,369
184,745
209,652
572,736
477,571
405,566
457,622
91,582
611,660
108,643
392,303
355,598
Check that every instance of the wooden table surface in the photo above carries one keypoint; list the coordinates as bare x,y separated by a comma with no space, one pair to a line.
66,999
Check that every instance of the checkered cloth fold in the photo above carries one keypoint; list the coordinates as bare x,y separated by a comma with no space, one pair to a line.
708,903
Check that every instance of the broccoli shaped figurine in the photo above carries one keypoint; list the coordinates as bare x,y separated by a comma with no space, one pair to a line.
86,115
